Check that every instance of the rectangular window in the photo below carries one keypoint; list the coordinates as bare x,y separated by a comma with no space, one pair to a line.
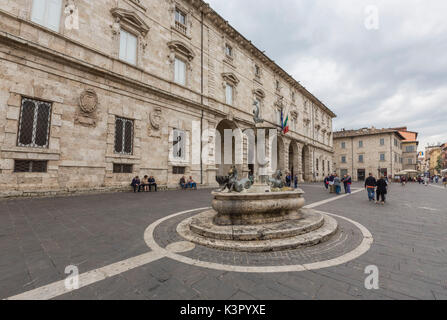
343,159
180,72
410,161
361,158
229,94
128,47
382,142
180,17
122,168
47,13
123,136
382,157
343,145
178,170
395,142
30,166
34,127
395,158
180,21
410,149
360,144
179,144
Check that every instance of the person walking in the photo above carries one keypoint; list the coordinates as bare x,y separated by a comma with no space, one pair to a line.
426,181
381,190
295,181
337,184
370,186
326,182
348,181
444,181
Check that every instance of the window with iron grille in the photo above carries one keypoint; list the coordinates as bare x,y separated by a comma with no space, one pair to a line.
34,126
179,144
178,170
30,166
123,136
122,168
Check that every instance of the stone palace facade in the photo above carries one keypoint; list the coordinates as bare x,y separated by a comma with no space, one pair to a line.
93,93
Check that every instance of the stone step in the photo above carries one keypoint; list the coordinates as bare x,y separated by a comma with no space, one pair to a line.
203,225
322,234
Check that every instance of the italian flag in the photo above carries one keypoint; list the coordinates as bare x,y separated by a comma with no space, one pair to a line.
285,124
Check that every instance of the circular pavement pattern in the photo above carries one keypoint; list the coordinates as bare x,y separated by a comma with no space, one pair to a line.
349,242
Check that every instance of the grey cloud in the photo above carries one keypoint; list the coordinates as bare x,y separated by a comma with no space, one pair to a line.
393,76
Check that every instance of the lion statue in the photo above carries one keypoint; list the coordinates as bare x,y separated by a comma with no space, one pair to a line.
231,182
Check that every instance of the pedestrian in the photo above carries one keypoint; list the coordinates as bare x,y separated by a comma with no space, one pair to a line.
331,183
337,184
403,180
444,181
295,181
381,189
288,180
370,186
348,182
426,181
326,182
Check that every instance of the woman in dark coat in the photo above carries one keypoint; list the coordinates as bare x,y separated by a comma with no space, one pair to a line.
381,189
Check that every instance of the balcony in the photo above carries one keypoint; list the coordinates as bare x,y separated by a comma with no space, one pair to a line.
180,27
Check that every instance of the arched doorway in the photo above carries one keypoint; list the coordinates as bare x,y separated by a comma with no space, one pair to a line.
293,159
305,163
231,154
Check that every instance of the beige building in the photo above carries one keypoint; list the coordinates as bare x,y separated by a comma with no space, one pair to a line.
409,149
93,93
368,150
433,154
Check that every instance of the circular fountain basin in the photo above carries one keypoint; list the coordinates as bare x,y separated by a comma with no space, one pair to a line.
257,208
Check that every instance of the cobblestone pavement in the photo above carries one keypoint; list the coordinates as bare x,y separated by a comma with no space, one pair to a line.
40,237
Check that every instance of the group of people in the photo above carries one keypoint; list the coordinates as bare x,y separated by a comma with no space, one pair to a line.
292,179
334,181
378,187
144,185
148,183
190,184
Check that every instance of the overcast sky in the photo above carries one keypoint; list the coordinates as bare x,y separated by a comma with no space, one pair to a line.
395,75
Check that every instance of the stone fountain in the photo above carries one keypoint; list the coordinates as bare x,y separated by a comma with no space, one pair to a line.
257,215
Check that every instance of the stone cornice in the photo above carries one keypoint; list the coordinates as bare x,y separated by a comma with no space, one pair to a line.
231,32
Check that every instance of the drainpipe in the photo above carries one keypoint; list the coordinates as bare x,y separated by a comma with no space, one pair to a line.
201,97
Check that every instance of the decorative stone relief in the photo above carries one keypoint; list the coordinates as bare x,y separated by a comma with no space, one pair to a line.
155,123
88,105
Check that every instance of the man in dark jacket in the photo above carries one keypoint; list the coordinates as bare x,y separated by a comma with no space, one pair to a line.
347,182
370,185
152,183
381,190
136,184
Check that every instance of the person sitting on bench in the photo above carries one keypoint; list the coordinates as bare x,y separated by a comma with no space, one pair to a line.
152,183
183,183
136,184
144,184
192,184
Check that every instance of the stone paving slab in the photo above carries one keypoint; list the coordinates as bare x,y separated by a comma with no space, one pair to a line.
39,236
